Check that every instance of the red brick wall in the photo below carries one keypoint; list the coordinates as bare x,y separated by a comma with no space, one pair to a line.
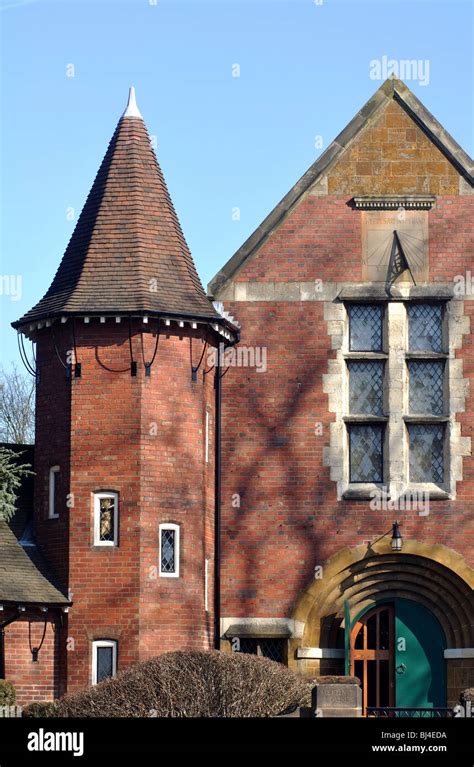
52,446
144,438
178,487
105,439
32,681
289,519
319,240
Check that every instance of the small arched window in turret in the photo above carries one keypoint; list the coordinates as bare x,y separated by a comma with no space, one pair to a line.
169,550
106,518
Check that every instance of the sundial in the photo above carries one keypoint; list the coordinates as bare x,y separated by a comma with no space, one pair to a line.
395,246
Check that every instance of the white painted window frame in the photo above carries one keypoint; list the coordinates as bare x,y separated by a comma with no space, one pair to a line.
207,434
176,528
97,497
53,471
96,644
206,584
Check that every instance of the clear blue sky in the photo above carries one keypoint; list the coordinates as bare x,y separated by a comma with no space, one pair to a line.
223,141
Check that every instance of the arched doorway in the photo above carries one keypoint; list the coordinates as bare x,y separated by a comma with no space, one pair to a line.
432,591
397,652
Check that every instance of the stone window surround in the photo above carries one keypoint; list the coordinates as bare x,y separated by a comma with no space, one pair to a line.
396,455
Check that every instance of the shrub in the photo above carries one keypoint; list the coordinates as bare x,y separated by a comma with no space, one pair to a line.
43,709
7,693
192,684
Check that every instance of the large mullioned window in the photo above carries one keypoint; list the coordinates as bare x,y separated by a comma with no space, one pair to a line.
422,401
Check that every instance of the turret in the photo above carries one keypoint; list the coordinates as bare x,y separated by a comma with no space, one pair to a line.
126,422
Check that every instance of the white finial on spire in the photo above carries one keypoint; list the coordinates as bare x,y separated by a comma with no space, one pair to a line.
132,109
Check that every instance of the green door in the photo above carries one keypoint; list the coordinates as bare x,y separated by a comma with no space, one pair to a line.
420,667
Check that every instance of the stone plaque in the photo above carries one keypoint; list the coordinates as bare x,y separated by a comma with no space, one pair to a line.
378,229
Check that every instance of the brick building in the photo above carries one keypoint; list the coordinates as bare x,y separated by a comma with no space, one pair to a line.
178,508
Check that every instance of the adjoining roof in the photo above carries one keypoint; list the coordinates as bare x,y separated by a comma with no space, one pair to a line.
127,253
24,577
391,89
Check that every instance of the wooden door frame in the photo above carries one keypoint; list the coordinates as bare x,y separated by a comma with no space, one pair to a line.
366,655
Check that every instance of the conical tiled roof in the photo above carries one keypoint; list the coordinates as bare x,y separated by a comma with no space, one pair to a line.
127,253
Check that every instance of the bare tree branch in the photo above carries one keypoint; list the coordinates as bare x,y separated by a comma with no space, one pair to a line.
11,474
17,409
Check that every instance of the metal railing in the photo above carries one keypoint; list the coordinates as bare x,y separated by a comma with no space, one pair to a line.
408,713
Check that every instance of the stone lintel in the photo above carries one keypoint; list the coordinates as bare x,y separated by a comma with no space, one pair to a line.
261,627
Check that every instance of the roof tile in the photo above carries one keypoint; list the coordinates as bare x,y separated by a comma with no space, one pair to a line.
127,252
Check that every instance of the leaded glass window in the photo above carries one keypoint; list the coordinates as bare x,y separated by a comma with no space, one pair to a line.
366,388
106,519
426,387
169,550
365,327
366,452
426,452
266,648
425,328
106,522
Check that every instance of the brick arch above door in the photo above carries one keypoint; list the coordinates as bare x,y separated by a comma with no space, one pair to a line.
432,575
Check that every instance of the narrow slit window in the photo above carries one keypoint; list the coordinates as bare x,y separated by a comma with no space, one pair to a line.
106,519
169,551
206,445
206,584
53,512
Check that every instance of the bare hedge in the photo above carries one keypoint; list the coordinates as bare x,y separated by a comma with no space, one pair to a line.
193,684
7,693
